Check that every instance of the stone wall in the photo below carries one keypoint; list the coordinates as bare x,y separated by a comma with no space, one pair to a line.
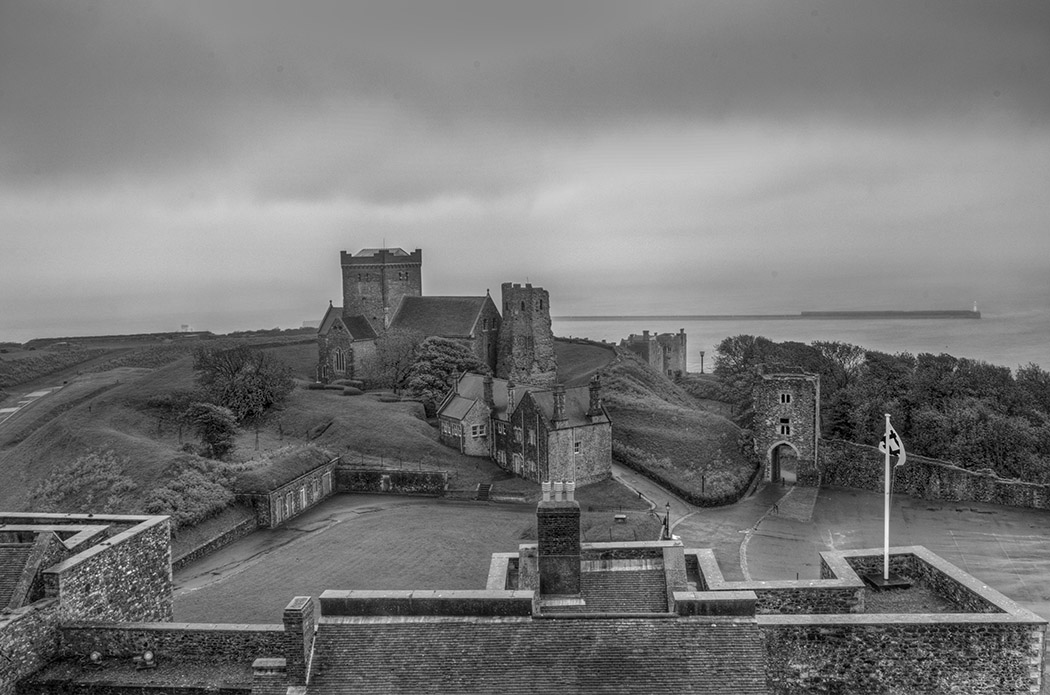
592,464
526,343
126,577
294,497
213,643
895,654
28,641
374,285
395,482
846,464
429,603
336,339
240,530
787,411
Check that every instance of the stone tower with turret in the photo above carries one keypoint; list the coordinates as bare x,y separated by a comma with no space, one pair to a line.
526,342
375,280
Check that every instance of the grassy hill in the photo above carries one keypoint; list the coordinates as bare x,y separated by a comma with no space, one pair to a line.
95,444
663,431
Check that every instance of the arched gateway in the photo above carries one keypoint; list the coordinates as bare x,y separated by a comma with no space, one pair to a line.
787,422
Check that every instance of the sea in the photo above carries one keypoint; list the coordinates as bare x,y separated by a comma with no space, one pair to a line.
1009,340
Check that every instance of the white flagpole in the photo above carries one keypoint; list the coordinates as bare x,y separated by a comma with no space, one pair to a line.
886,527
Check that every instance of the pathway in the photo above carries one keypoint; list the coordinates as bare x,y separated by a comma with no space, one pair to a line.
24,402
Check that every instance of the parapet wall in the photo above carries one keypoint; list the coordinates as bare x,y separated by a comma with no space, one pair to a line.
211,643
847,464
899,654
427,603
28,641
126,577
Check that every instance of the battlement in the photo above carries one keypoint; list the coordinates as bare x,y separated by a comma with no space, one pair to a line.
373,257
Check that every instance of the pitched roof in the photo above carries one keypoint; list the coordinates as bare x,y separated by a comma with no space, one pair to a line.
13,557
471,388
356,325
523,655
577,403
449,317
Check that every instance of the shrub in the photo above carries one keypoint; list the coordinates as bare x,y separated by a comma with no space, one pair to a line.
94,482
351,391
216,427
315,386
197,490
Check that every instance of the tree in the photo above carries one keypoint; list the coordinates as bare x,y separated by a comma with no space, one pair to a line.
215,426
392,358
244,380
438,362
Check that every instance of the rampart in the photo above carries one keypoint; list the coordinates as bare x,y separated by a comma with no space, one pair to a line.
847,464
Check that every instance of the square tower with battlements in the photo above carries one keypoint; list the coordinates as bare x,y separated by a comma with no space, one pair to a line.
375,280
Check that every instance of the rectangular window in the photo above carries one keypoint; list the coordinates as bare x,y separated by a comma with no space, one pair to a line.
575,447
785,425
532,437
785,398
477,430
501,428
517,434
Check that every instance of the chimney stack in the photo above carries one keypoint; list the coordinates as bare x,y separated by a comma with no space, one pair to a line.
490,401
559,406
595,407
558,541
510,397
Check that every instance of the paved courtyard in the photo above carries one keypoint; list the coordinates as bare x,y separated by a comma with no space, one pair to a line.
350,542
363,542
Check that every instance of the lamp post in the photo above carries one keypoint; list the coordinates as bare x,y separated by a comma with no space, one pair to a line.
701,361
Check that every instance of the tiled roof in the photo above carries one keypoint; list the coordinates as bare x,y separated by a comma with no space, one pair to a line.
13,558
577,403
357,325
471,387
450,317
523,655
457,407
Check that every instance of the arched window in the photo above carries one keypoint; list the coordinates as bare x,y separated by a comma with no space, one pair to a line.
340,361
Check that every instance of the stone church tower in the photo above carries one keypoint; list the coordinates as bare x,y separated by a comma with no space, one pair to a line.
375,280
526,342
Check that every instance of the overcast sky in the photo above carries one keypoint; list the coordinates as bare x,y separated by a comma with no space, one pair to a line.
204,163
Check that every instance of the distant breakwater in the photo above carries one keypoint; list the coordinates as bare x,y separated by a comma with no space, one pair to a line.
805,315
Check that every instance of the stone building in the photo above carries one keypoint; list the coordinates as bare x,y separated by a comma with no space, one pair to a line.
526,343
664,352
383,291
787,416
557,615
537,433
